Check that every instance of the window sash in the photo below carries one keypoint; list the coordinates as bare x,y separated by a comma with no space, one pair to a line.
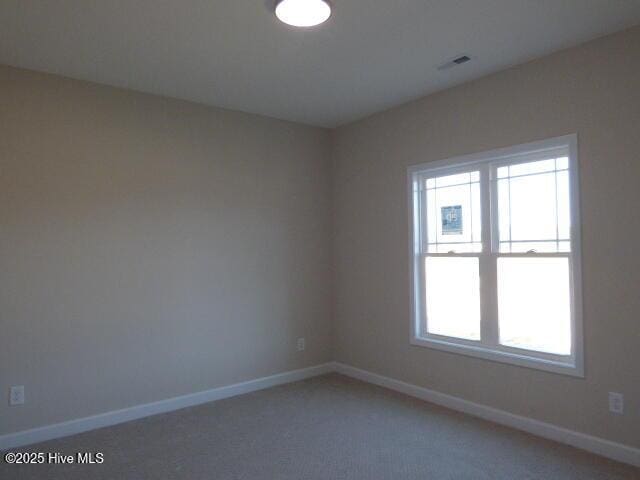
496,241
427,209
489,315
488,345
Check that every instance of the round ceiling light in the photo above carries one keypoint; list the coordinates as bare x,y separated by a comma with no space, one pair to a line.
303,13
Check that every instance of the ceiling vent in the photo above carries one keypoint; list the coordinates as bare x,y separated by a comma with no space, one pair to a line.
454,62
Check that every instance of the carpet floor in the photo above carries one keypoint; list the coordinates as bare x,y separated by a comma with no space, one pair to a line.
328,427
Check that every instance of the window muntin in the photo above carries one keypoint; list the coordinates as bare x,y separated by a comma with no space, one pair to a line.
528,308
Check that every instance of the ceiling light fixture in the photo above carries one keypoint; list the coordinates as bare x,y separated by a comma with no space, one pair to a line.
303,13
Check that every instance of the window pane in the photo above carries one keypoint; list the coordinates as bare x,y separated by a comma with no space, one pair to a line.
564,217
432,224
564,246
476,222
532,247
534,304
562,163
533,207
504,216
532,167
453,213
453,179
453,297
455,248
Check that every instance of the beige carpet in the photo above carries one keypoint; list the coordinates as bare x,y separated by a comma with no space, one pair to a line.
328,427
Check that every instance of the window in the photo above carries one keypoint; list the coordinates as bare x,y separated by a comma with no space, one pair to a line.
495,255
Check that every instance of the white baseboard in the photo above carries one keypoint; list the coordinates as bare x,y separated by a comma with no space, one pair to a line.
71,427
600,446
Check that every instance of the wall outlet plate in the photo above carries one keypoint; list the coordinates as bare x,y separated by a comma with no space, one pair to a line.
300,345
16,395
616,403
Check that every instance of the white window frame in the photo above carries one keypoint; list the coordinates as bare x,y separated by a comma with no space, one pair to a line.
489,347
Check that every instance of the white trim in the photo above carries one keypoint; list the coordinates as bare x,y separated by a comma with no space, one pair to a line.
71,427
600,446
499,153
488,347
498,353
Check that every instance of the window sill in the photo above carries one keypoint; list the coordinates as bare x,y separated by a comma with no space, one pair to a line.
573,368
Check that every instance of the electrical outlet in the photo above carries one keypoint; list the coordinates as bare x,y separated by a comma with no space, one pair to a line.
16,395
300,344
616,403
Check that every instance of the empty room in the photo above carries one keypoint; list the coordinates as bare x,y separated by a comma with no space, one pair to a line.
320,239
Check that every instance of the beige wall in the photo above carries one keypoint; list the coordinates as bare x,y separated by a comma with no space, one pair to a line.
593,90
151,247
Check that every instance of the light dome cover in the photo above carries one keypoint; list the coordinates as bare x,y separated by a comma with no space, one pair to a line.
303,13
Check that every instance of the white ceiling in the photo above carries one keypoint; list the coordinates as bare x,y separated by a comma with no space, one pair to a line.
371,54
